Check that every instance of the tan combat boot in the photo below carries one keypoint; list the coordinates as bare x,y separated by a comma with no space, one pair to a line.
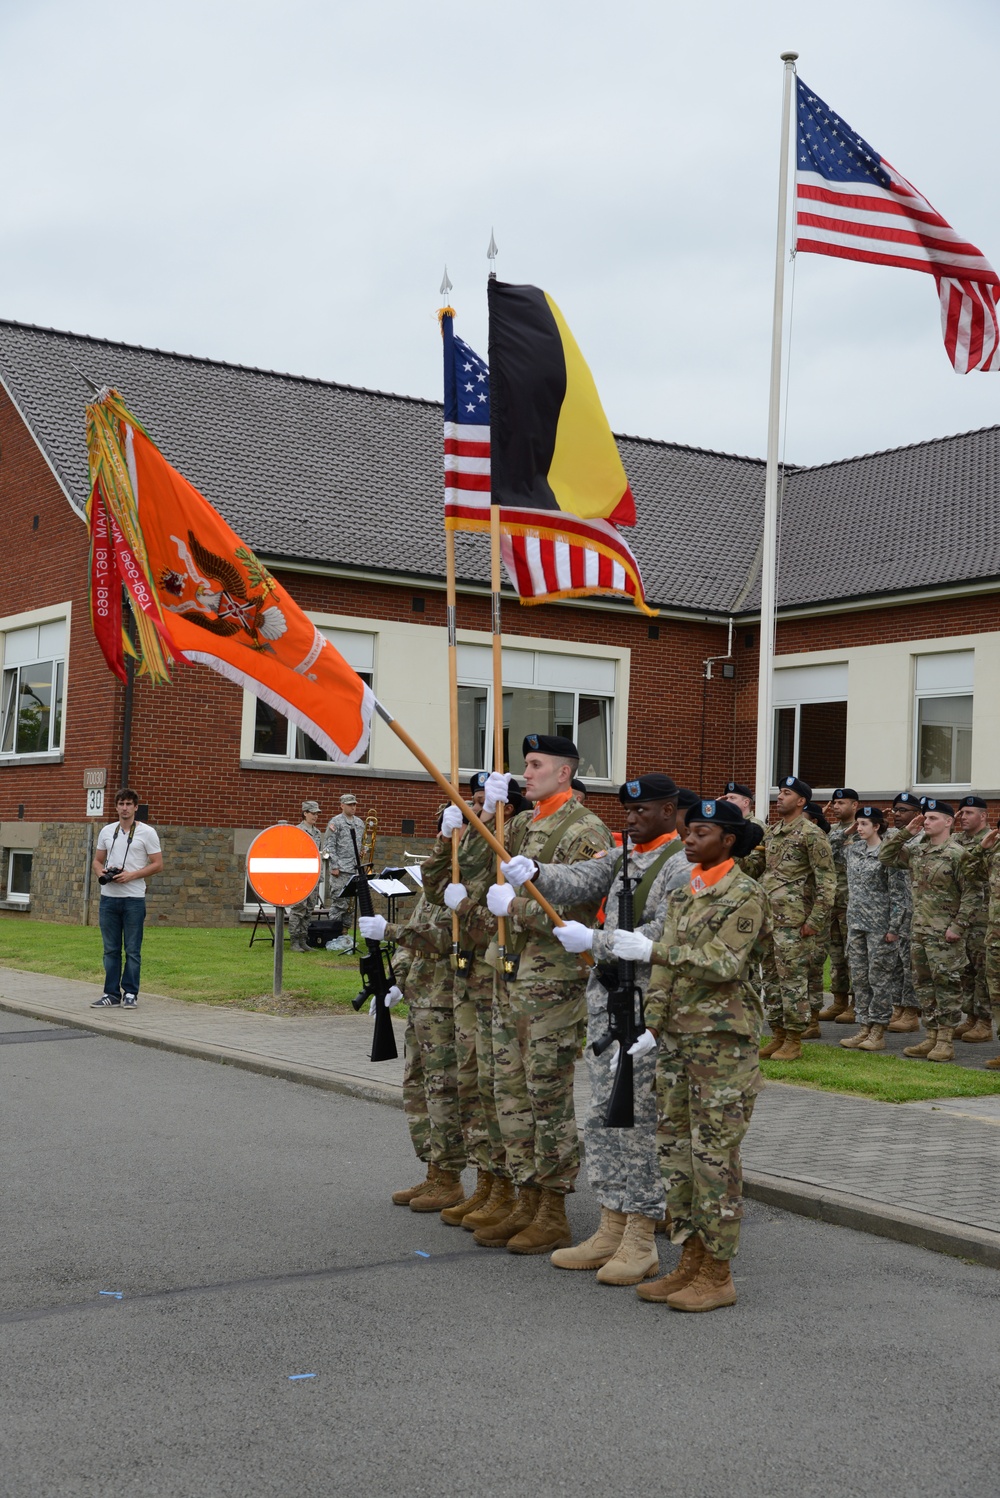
978,1033
498,1205
852,1042
711,1288
453,1216
874,1040
403,1198
924,1047
774,1044
791,1048
943,1048
598,1248
499,1233
838,1003
907,1023
897,1010
964,1025
994,1064
548,1229
813,1032
846,1016
636,1258
690,1262
446,1192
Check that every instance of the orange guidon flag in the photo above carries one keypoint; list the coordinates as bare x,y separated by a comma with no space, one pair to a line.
199,594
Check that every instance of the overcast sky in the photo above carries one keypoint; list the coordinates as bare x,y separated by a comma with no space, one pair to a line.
281,185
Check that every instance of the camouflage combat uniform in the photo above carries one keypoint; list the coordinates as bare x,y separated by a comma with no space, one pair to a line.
708,1020
795,869
875,907
840,839
975,995
621,1163
300,915
983,872
907,997
941,898
540,1012
422,966
337,842
474,996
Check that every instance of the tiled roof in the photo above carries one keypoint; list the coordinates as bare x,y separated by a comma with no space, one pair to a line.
310,471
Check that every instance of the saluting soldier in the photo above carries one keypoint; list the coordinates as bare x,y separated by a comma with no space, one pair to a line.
973,826
621,1163
984,862
905,1019
541,1007
875,908
942,911
795,868
705,1015
300,915
840,811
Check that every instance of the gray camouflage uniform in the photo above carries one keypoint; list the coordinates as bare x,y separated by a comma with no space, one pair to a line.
337,842
875,906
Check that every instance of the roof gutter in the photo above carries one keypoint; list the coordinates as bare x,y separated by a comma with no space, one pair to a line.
885,601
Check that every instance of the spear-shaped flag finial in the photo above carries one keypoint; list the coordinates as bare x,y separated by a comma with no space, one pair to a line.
446,285
491,255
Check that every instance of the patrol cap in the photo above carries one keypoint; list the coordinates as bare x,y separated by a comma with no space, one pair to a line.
974,801
653,787
348,799
844,793
907,798
686,798
929,803
310,806
549,743
478,780
734,788
800,787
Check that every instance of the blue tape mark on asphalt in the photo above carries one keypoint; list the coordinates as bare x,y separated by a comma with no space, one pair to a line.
293,1376
116,1294
420,1253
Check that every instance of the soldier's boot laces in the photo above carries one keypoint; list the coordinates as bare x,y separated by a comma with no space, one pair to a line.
548,1229
943,1049
636,1257
598,1248
875,1039
979,1033
814,1032
711,1288
775,1043
924,1047
838,1003
847,1015
852,1042
446,1192
499,1204
907,1023
403,1198
499,1233
690,1262
791,1048
453,1216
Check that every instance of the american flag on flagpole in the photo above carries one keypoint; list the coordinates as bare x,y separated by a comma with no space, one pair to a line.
547,554
854,205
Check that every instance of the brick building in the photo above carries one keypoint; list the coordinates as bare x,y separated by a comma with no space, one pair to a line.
888,631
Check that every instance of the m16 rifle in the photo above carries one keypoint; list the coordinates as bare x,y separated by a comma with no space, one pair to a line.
625,1011
376,974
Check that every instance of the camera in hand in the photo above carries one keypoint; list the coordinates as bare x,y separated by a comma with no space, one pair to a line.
108,876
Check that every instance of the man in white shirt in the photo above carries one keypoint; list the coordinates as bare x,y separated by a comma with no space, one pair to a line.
128,852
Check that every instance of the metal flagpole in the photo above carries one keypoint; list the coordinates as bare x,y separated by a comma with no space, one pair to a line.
769,551
495,575
451,604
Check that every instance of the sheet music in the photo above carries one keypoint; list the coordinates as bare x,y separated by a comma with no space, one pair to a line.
416,874
389,887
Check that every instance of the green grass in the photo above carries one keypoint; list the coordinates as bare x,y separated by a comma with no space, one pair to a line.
878,1075
216,966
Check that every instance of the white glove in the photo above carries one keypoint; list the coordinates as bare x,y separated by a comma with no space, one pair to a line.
499,898
372,927
646,1042
454,894
451,820
574,937
519,868
632,946
394,996
495,790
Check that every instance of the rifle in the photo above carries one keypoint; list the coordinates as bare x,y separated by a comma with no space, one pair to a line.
623,993
377,976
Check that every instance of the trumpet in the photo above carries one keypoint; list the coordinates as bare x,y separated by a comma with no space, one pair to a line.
368,836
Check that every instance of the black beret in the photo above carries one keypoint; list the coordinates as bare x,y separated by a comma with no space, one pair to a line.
478,780
733,788
873,813
815,814
930,803
686,798
844,793
653,787
907,798
800,787
716,811
549,743
578,785
974,801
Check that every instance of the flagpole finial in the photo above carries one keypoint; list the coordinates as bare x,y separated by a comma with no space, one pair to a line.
446,285
789,57
491,255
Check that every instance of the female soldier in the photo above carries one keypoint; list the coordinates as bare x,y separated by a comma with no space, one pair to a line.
704,1016
876,907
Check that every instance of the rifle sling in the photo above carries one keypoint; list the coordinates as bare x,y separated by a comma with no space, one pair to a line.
641,892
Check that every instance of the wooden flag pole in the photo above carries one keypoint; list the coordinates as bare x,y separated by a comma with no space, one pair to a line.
498,756
449,551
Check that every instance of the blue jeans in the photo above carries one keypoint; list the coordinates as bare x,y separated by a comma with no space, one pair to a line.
122,920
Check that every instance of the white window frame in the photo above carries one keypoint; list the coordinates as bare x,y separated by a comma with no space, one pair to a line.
54,613
782,698
287,760
18,899
921,694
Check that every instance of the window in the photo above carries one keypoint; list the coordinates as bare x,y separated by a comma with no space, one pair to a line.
19,877
543,692
810,724
31,709
275,736
943,732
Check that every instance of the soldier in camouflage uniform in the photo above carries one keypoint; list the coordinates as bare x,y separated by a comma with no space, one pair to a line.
977,1027
983,862
621,1163
795,868
942,911
301,914
705,1017
818,960
875,908
905,1018
540,1009
840,810
338,847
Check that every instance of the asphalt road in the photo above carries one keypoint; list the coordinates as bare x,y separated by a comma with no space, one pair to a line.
247,1225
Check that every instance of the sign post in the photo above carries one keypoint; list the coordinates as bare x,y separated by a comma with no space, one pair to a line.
283,865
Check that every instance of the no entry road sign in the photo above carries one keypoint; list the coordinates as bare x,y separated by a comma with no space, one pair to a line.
283,865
